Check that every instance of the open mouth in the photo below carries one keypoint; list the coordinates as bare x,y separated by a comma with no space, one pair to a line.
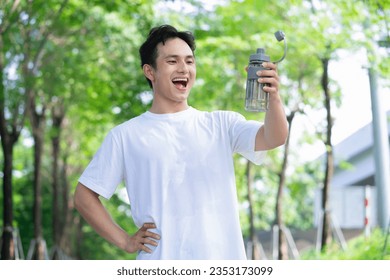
180,83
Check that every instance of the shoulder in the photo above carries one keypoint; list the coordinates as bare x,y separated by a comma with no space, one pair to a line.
126,129
221,119
221,114
225,116
129,124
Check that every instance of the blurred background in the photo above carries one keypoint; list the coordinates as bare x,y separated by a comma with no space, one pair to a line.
70,71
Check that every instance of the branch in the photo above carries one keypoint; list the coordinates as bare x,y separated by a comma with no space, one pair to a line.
5,25
47,34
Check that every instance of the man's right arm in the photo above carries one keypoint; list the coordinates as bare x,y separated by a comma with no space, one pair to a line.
88,204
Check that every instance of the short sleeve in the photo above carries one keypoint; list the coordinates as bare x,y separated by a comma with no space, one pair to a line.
243,136
105,171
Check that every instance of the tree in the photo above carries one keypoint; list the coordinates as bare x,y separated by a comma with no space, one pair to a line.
35,32
66,61
326,222
57,116
108,89
254,241
282,246
99,58
335,28
12,116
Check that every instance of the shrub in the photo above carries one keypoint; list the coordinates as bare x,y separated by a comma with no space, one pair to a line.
374,247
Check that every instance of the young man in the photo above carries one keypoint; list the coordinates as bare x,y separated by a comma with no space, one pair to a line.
177,162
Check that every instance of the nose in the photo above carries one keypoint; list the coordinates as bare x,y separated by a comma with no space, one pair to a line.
182,67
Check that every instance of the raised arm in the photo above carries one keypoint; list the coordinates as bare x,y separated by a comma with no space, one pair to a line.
275,129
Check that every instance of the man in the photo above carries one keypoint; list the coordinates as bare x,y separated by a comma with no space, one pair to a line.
177,162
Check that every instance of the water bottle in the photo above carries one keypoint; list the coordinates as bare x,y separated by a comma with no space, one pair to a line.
256,99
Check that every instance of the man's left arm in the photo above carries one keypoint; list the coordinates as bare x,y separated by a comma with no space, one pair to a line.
275,129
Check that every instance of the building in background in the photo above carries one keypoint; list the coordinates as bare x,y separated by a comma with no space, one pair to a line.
353,194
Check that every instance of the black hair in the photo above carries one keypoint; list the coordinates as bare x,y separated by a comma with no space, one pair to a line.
161,34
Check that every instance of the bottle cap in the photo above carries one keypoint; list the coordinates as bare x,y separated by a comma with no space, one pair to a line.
259,56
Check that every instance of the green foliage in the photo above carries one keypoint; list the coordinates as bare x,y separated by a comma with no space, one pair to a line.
373,247
90,66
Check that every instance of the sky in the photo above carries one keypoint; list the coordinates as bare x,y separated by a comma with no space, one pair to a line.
355,110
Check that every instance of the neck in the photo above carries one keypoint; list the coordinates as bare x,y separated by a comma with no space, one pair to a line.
172,108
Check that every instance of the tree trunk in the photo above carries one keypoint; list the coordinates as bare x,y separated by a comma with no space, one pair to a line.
37,121
326,230
282,243
78,222
252,230
56,213
7,246
58,216
9,133
38,131
67,225
37,212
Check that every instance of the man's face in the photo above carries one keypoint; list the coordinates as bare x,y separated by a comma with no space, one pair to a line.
175,71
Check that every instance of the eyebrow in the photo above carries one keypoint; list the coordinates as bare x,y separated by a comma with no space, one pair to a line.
177,56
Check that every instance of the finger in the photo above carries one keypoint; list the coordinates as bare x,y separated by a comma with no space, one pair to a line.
270,89
146,241
268,81
146,233
152,235
146,249
147,226
149,241
268,73
270,65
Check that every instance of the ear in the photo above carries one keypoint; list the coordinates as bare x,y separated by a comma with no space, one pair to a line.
148,72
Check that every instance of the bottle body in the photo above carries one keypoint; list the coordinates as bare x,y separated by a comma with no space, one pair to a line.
256,99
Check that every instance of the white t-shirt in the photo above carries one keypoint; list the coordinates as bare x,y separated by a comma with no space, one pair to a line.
179,173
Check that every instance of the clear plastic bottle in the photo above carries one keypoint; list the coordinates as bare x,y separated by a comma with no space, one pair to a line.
256,99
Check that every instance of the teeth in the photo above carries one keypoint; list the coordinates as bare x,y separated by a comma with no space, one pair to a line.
179,80
180,83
